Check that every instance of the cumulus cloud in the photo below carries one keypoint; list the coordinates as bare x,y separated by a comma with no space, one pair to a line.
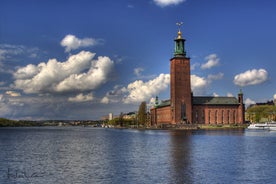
229,95
215,95
251,77
139,91
249,102
71,42
97,75
164,3
212,60
105,100
115,95
79,73
274,96
81,98
26,72
198,84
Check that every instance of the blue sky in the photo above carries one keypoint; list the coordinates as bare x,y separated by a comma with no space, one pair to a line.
84,59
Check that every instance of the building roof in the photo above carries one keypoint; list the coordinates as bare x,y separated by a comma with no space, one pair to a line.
205,100
210,100
164,103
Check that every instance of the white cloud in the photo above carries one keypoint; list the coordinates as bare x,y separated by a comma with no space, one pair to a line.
212,60
78,73
193,66
139,91
229,95
251,77
137,71
105,100
198,84
114,96
151,102
215,95
248,102
274,96
13,93
71,42
7,51
10,52
164,3
97,75
26,72
81,98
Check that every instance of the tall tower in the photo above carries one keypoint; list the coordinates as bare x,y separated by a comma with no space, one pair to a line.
181,96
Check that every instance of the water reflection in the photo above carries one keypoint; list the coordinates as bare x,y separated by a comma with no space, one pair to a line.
222,132
103,156
180,147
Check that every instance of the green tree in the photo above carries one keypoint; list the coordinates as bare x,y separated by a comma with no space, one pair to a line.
260,112
142,114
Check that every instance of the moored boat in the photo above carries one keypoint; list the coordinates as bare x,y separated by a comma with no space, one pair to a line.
257,126
262,126
273,128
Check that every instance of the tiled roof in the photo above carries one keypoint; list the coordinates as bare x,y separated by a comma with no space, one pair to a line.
210,100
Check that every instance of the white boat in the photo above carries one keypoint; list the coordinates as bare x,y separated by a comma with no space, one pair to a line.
262,126
273,128
257,126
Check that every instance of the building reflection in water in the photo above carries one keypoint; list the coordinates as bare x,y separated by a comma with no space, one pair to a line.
181,157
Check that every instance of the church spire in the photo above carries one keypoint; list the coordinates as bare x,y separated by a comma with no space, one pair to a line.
179,42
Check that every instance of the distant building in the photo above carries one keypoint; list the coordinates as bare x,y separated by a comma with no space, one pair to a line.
130,115
110,116
183,107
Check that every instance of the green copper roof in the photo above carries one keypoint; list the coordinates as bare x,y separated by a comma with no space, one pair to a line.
164,103
205,100
209,100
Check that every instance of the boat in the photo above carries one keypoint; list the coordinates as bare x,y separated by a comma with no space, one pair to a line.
257,126
262,126
272,128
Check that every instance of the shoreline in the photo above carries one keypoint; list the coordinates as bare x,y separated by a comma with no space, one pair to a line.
190,127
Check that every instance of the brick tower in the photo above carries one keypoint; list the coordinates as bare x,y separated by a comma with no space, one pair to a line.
181,96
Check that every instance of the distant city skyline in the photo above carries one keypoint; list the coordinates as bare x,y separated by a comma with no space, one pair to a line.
84,59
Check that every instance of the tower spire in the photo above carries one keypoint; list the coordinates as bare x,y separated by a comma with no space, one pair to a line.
179,42
179,24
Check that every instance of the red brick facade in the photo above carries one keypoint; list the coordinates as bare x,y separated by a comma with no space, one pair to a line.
181,96
185,108
216,114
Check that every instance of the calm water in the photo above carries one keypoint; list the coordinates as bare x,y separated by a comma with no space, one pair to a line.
67,155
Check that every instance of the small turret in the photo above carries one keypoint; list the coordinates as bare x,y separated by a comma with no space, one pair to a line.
240,97
156,102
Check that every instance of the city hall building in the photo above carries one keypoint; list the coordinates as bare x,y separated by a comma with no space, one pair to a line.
183,107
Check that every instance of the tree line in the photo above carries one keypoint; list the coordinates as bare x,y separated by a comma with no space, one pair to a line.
139,119
259,113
